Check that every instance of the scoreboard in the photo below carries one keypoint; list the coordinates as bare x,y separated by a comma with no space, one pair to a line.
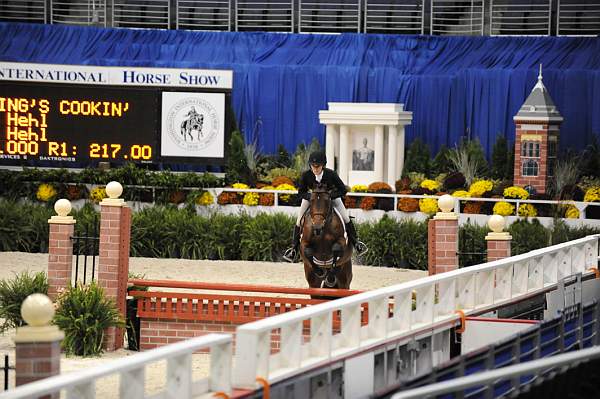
83,123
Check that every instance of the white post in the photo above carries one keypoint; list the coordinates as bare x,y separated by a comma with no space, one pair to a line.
344,153
392,154
379,153
330,143
400,151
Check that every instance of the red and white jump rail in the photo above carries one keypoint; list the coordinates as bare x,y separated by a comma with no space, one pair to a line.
179,382
392,316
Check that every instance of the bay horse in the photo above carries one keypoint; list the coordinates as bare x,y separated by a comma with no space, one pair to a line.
324,247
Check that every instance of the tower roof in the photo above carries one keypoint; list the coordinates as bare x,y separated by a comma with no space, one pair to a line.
539,104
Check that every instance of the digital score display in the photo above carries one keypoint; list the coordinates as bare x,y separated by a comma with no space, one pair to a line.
72,124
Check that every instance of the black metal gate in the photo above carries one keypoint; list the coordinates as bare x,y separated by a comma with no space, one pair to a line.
7,367
472,248
85,251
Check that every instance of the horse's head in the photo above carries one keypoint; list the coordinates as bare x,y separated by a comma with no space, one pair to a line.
320,208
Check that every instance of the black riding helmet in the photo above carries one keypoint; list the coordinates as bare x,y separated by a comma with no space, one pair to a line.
317,158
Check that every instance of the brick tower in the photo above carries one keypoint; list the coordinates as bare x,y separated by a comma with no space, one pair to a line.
536,140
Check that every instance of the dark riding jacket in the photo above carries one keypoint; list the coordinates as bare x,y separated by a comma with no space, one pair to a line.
308,181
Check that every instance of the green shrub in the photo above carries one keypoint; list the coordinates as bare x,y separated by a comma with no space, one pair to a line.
395,244
265,237
237,168
24,226
500,159
417,158
527,235
83,314
13,293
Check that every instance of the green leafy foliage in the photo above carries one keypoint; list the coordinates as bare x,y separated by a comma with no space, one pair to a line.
528,234
417,158
237,168
13,293
441,162
265,237
500,159
24,226
395,244
83,314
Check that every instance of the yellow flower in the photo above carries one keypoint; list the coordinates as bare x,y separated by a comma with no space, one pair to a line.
461,194
267,188
205,199
241,186
45,192
285,187
527,210
359,188
592,195
572,212
503,208
428,205
480,187
98,194
251,199
431,185
515,192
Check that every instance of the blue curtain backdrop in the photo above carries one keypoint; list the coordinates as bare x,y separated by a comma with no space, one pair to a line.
455,86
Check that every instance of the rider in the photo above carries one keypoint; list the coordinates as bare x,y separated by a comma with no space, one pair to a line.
318,173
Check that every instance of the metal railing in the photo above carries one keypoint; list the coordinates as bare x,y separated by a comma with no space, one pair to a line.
385,16
449,17
141,14
508,17
392,315
329,16
82,384
203,15
578,17
78,12
436,17
513,375
24,11
264,15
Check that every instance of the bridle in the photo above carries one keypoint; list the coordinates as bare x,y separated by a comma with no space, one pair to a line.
325,215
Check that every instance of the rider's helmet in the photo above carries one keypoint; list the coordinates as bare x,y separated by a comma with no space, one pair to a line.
317,158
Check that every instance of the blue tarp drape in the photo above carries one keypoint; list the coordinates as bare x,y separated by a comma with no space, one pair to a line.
455,86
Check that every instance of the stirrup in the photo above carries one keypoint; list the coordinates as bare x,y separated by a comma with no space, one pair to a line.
361,248
290,254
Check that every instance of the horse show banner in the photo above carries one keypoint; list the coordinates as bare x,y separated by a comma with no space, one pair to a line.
117,75
193,125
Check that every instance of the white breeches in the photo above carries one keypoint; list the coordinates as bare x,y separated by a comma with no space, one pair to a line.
338,204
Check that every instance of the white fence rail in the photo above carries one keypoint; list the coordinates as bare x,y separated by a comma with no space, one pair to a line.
392,316
489,379
179,384
580,205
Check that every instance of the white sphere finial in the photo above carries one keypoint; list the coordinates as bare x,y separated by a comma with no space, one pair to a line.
62,207
37,310
496,223
446,203
114,189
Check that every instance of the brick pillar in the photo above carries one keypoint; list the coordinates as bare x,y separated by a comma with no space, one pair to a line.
443,238
37,349
60,248
498,241
113,262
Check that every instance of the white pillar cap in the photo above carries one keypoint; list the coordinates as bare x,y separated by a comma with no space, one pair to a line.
114,190
63,208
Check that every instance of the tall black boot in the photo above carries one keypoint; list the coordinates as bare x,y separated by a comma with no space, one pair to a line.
291,253
360,246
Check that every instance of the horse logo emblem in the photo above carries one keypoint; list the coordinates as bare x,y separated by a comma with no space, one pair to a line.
192,123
